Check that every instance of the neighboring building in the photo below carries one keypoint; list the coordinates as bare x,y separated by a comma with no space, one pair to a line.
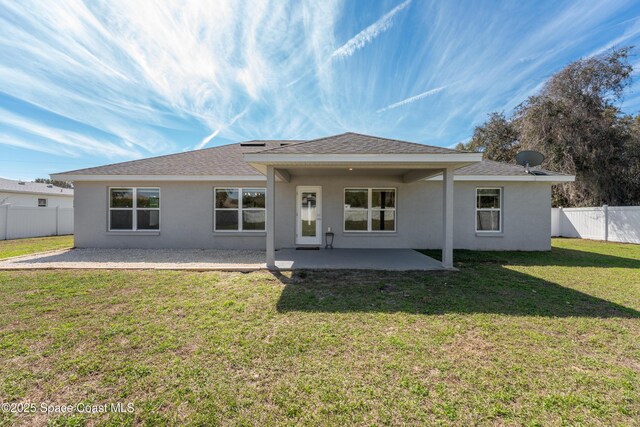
371,192
34,194
31,209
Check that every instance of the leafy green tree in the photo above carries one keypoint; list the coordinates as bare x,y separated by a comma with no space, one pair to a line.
631,158
576,123
497,139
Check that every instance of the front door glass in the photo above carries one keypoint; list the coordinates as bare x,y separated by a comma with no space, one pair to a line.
308,213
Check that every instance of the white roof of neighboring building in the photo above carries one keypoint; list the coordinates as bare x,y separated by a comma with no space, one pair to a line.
11,186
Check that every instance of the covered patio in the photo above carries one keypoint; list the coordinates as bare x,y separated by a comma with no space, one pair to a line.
355,155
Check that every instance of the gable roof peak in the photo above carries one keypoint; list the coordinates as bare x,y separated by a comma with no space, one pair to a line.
357,143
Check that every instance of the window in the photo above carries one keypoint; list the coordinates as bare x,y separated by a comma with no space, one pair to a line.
370,209
42,203
488,209
134,209
239,209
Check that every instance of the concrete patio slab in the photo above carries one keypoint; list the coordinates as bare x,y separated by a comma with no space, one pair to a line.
223,260
356,259
154,259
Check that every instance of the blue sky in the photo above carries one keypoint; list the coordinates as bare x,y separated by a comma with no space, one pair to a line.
83,84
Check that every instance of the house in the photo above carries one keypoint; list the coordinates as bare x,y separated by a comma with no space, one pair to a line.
34,194
370,192
32,209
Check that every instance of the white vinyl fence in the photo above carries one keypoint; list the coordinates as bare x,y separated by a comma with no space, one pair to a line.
17,222
609,223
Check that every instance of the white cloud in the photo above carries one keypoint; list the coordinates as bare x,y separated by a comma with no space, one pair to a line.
371,32
628,34
156,77
57,140
206,140
413,99
136,69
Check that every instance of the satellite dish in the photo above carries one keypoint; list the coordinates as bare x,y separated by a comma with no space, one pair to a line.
529,159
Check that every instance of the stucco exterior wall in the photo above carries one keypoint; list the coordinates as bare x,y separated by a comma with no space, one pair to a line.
31,200
187,215
186,218
526,214
526,219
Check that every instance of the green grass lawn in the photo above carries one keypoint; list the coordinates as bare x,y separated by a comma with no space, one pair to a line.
10,248
510,339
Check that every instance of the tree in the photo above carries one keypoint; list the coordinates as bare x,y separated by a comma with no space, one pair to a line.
575,122
61,184
497,139
632,160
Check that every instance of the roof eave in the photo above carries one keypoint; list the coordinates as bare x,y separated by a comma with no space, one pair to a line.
341,159
153,178
554,179
39,193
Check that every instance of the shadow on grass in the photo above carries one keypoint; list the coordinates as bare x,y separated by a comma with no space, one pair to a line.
556,257
484,288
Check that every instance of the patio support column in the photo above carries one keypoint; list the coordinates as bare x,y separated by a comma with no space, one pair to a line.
447,218
271,217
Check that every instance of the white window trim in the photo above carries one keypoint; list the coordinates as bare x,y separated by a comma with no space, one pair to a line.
239,209
46,203
369,209
477,209
134,225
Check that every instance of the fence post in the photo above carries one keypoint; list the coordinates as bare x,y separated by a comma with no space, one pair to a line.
560,215
3,226
6,222
605,208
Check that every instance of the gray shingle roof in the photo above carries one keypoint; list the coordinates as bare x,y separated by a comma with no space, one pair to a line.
489,167
228,159
32,187
221,160
355,143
